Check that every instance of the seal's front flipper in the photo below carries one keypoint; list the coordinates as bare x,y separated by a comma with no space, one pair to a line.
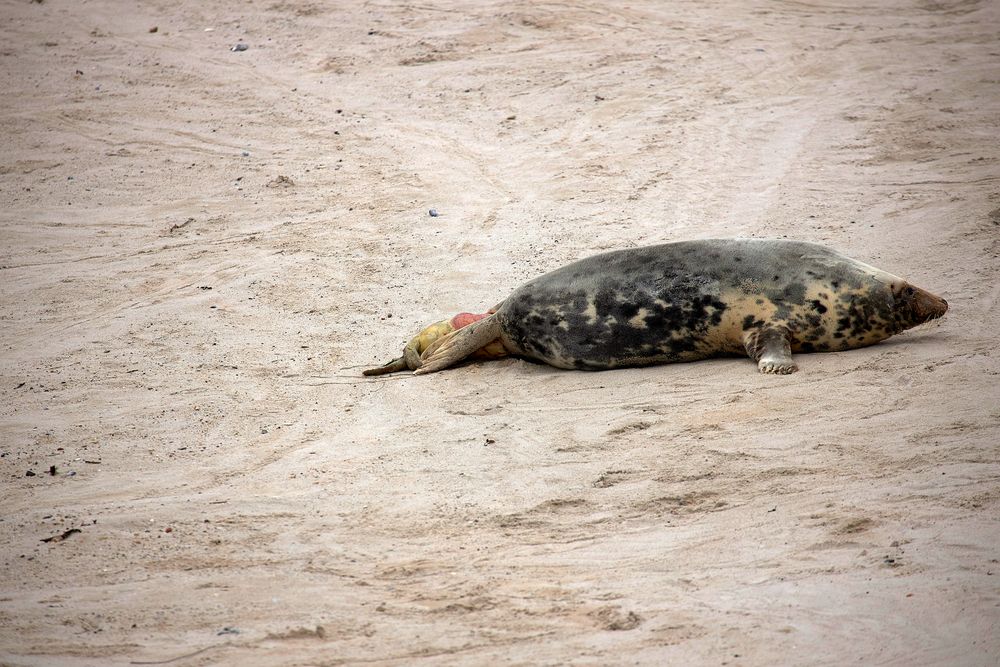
458,345
769,347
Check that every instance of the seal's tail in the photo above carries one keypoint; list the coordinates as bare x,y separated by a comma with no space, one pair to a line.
456,346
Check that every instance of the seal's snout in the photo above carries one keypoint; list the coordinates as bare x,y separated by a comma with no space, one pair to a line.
928,306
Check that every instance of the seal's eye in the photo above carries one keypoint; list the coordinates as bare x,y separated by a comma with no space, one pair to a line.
909,291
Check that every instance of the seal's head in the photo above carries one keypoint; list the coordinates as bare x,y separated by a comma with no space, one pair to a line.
912,306
873,305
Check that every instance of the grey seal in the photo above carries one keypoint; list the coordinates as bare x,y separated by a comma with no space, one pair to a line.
684,301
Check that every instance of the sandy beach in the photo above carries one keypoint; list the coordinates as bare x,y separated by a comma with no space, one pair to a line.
202,245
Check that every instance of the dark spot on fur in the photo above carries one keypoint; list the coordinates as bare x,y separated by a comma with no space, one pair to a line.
656,321
818,306
628,310
794,293
604,301
540,349
679,345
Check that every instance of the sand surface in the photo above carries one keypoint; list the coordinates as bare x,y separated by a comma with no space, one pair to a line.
182,332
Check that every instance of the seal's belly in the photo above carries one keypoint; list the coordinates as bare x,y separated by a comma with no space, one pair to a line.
613,324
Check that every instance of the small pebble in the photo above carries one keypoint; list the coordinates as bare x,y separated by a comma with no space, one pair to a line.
240,46
433,213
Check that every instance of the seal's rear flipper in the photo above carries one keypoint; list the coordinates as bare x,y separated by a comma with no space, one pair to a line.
769,347
392,367
458,345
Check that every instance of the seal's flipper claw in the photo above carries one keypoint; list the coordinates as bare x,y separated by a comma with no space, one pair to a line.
458,345
393,366
770,348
